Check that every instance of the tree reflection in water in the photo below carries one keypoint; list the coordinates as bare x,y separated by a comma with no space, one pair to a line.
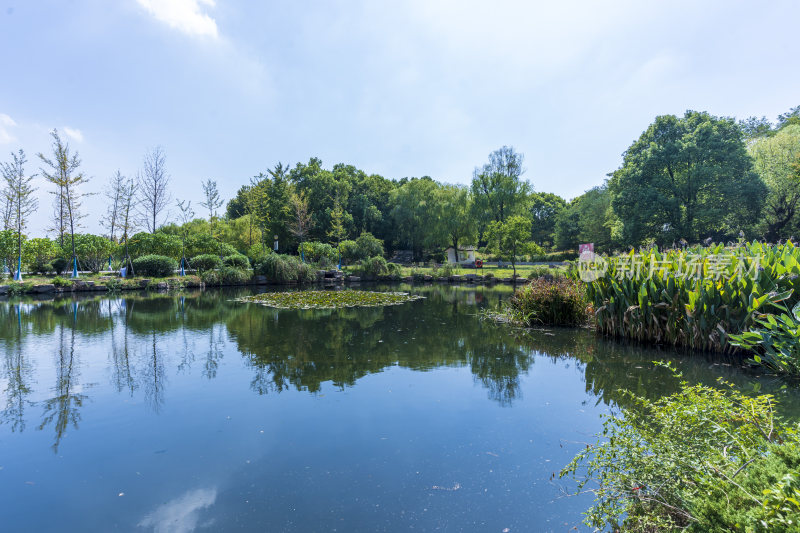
148,336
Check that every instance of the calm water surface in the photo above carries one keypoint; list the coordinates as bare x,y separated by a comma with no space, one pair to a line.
191,412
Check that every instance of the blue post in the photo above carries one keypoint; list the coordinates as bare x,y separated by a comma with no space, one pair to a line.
18,274
340,260
109,263
302,256
74,267
183,272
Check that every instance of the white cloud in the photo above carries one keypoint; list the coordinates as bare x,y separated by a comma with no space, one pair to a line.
74,134
181,514
183,15
6,122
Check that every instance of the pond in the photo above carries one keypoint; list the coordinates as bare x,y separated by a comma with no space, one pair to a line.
192,412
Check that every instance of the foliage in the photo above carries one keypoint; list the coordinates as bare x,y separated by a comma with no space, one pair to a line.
279,268
775,341
59,265
227,275
497,187
93,251
510,238
159,243
205,262
697,297
557,302
702,459
38,253
236,261
58,281
329,299
319,253
154,265
258,252
588,218
777,160
687,177
373,267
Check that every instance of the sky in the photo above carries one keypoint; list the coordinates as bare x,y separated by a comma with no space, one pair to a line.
400,88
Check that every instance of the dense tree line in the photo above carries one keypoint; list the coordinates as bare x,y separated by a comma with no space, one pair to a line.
685,179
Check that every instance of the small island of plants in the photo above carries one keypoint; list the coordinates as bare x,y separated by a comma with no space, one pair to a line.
329,299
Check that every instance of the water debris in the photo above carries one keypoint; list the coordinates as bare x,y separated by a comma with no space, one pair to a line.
329,299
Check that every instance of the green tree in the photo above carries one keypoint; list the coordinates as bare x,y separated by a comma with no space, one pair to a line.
338,232
497,187
510,238
19,191
37,254
687,177
455,218
544,209
414,214
775,159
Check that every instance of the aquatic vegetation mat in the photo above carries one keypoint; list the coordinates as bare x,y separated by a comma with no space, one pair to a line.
329,299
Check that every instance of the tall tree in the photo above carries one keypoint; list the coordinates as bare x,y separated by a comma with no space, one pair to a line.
153,186
186,215
338,232
544,208
128,196
300,223
455,221
62,168
19,191
113,194
65,176
413,215
497,187
510,238
687,177
775,159
212,201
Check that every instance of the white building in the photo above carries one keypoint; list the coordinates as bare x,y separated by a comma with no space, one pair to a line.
466,254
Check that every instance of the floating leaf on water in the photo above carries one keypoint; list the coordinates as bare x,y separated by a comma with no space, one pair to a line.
329,299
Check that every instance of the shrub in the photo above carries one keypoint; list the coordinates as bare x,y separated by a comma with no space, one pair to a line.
559,302
319,253
373,267
224,249
697,297
775,342
367,245
702,459
93,251
60,265
158,243
154,265
227,275
279,268
349,251
237,261
205,262
394,269
58,281
38,253
258,252
556,257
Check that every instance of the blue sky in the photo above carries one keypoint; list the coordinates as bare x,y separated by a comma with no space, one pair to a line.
230,87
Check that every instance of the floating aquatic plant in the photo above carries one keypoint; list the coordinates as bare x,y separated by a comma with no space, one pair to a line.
329,299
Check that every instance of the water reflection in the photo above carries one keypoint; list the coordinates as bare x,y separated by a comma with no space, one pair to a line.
182,514
144,338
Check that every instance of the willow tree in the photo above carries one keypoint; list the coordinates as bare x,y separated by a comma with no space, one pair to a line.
63,173
19,196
